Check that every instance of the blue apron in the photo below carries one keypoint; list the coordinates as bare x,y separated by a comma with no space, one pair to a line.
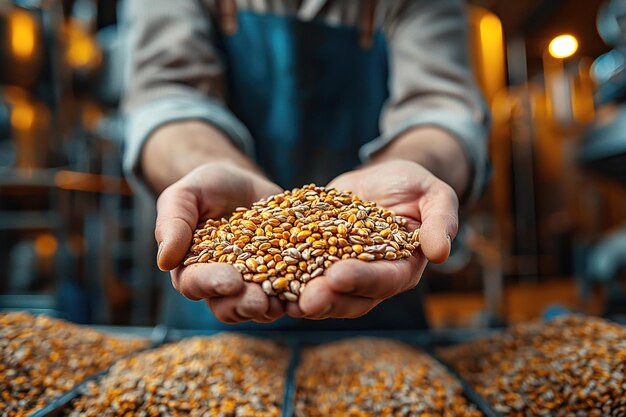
311,97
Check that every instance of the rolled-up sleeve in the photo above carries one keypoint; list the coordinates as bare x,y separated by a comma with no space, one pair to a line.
431,82
173,73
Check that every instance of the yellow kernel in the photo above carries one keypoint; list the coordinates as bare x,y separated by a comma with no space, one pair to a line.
281,266
280,283
303,235
248,225
259,277
319,244
252,264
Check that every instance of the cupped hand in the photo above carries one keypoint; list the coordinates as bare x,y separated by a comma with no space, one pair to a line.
350,288
211,191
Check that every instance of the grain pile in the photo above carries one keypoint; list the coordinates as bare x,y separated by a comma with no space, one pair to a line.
42,357
223,375
366,377
569,366
288,239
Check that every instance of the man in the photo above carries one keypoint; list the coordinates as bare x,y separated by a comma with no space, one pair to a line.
229,102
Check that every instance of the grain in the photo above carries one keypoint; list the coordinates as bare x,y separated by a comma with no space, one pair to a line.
375,377
42,357
298,234
221,375
568,366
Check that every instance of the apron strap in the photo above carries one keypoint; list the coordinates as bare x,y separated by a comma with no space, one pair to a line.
227,15
366,23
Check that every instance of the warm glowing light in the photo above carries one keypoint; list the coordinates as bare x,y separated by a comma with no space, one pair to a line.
563,46
82,51
46,245
22,32
492,53
82,181
22,116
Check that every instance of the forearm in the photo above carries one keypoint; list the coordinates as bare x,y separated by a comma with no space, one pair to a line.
436,150
177,148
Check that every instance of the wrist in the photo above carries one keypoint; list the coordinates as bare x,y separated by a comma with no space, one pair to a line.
436,150
177,148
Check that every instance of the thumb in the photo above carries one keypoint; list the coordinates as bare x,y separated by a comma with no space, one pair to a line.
177,218
440,224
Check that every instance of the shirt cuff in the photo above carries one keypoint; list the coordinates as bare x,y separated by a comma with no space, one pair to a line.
471,135
142,121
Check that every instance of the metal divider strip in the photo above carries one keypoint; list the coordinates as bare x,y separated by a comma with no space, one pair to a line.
289,399
478,400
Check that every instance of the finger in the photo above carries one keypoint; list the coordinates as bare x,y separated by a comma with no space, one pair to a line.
263,188
378,279
350,306
440,222
319,302
294,310
316,299
276,310
202,281
177,217
251,303
221,314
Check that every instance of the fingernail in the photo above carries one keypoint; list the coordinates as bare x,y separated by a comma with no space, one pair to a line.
159,253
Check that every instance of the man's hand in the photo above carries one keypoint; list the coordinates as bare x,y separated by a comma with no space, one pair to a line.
211,191
350,288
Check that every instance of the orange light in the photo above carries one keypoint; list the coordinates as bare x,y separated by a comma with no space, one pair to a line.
492,51
563,46
22,32
487,50
82,51
22,116
82,181
46,245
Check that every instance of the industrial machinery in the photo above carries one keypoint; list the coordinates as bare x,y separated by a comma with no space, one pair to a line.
67,218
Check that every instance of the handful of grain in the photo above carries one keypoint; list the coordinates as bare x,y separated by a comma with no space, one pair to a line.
288,239
221,375
42,357
376,377
568,366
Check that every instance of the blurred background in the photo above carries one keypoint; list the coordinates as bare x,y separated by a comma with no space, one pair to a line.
548,234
